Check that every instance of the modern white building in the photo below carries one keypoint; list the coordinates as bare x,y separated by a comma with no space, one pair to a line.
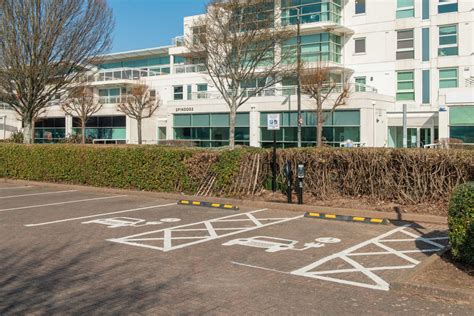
394,52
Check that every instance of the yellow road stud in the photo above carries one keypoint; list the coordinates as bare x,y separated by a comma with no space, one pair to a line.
330,216
359,219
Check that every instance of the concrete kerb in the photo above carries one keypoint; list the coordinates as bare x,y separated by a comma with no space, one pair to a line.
405,283
392,216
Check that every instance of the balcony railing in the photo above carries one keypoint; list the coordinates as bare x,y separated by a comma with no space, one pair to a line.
4,106
127,74
179,41
184,69
284,91
118,99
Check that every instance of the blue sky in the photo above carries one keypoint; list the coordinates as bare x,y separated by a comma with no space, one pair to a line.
150,23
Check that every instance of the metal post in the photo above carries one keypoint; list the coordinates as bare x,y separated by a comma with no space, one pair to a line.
289,181
405,127
274,169
298,75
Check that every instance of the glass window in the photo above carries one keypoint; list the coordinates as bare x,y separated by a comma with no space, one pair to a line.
182,120
405,9
446,6
425,9
316,47
426,86
461,116
405,86
448,40
360,84
405,44
359,45
425,44
360,6
311,11
178,93
448,78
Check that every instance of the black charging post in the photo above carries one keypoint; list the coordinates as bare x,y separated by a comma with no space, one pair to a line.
300,183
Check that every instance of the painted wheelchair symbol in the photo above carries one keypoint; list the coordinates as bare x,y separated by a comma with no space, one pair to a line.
273,244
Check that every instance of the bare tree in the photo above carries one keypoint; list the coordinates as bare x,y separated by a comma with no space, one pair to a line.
46,45
82,104
139,104
317,83
240,41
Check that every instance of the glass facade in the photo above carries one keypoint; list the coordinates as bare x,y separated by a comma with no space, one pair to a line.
461,121
102,127
311,11
317,47
50,130
339,127
211,129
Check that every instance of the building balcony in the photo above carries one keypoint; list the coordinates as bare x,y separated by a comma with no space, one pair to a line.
184,69
123,76
283,91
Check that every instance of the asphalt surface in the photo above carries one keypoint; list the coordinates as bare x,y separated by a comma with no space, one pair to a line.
76,251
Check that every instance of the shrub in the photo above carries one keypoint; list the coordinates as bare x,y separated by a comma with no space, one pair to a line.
461,223
395,175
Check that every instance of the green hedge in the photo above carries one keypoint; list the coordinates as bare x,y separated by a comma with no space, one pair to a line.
409,177
461,223
144,168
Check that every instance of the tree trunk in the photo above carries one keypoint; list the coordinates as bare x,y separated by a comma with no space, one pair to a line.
320,123
28,131
139,130
83,132
233,117
319,131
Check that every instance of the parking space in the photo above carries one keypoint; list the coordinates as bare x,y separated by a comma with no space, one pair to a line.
141,254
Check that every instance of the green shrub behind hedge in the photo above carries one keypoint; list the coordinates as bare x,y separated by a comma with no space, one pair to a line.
461,223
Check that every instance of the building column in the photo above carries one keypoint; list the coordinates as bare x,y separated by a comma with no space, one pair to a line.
128,126
68,125
254,122
172,71
443,124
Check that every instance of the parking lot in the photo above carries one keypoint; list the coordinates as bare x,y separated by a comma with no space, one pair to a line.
82,250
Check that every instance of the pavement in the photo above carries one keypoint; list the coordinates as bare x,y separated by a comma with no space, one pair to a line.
77,250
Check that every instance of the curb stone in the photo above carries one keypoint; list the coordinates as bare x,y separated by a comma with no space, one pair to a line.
404,283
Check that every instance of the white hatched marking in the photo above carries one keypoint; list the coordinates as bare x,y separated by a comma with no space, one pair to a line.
378,282
211,232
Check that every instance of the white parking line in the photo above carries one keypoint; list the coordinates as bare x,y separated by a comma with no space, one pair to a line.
98,215
61,203
15,188
33,194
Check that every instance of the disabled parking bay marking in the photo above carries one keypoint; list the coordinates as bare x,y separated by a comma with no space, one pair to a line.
201,232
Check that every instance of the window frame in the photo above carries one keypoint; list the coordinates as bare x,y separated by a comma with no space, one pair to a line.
175,94
365,45
447,3
405,91
403,50
364,7
448,79
406,8
444,46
